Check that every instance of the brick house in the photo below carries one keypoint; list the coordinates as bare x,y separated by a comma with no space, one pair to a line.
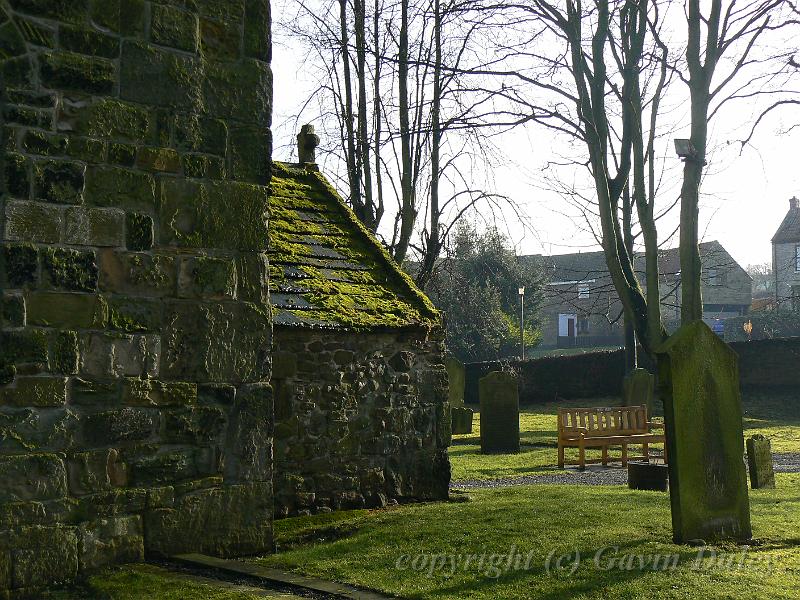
786,259
581,307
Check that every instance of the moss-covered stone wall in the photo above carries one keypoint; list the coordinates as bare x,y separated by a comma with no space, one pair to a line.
361,419
135,406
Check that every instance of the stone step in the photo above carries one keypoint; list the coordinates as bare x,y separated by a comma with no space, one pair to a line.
276,576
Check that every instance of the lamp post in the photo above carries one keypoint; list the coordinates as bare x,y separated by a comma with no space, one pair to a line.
522,322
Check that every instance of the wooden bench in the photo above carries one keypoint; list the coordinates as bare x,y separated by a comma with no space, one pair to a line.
601,427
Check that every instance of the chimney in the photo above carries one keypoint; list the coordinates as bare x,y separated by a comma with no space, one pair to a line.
307,142
794,203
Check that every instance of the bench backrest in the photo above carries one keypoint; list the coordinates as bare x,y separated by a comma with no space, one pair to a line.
600,421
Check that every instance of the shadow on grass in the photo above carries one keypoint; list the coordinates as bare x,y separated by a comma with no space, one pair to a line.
573,578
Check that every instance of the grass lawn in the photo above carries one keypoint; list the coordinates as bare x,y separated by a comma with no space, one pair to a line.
413,551
776,416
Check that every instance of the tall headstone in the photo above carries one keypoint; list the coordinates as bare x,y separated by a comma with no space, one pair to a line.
638,389
703,418
461,415
499,401
759,462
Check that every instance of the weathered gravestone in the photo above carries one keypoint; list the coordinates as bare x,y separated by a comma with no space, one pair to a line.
499,400
759,462
703,418
638,389
461,415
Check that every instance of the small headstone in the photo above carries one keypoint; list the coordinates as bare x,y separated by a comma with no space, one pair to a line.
462,419
455,376
705,443
759,462
499,400
638,389
462,416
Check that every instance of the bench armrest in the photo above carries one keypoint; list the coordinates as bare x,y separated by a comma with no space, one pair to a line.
652,425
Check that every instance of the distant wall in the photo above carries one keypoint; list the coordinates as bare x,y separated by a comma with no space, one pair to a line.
763,364
769,364
593,374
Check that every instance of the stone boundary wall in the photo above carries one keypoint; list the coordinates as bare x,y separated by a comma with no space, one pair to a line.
135,408
763,364
361,419
545,379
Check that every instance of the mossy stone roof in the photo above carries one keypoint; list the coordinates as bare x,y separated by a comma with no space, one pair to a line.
326,269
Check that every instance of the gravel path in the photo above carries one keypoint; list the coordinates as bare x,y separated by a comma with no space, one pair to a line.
599,475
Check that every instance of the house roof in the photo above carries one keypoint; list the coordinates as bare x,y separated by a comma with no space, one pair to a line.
588,266
326,269
789,231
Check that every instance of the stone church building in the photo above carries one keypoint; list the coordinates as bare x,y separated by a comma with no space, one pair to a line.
159,392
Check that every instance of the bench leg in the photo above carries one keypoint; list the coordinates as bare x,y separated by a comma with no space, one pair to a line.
646,452
605,456
624,455
581,455
560,456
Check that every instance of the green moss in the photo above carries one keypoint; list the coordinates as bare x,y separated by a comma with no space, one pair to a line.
70,269
174,27
26,346
88,41
158,159
109,118
122,154
65,353
69,71
372,293
11,43
60,182
138,231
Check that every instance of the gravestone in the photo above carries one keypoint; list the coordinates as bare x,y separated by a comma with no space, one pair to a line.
499,400
703,418
455,377
759,461
638,389
462,419
461,415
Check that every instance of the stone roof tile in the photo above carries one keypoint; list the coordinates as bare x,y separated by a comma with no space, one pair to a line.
326,269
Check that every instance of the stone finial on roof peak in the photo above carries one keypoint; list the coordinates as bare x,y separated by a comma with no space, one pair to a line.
307,142
794,203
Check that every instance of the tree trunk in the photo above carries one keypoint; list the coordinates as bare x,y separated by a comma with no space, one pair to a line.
408,213
353,175
376,110
368,217
433,244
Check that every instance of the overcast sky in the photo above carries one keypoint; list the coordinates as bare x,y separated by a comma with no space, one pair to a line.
745,196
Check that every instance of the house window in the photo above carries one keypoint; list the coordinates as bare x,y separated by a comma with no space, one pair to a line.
797,259
796,298
583,292
717,277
